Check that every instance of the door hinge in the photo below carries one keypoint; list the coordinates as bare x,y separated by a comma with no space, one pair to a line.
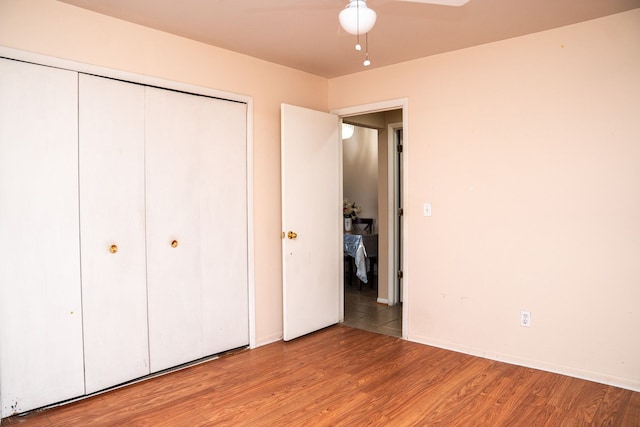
399,274
400,212
399,148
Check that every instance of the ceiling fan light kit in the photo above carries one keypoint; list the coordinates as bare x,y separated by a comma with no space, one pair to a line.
357,18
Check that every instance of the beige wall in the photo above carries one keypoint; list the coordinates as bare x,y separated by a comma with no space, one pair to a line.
529,151
56,29
360,171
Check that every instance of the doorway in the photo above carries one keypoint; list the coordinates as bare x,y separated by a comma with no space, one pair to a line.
372,178
308,171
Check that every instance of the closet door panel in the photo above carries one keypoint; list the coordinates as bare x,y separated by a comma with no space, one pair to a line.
174,130
112,219
41,355
223,159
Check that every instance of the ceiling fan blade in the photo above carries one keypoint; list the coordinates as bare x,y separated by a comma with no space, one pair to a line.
440,2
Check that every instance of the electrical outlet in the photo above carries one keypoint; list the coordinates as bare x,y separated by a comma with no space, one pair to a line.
525,318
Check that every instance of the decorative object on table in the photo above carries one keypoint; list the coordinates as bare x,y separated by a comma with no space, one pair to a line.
350,211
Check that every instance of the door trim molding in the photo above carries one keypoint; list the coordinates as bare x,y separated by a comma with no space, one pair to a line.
392,211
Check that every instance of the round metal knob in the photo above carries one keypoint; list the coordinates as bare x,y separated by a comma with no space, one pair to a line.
174,244
292,235
113,249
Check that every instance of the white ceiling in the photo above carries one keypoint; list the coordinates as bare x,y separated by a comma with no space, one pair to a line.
305,34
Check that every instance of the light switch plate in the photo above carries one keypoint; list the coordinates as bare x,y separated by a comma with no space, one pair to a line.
427,209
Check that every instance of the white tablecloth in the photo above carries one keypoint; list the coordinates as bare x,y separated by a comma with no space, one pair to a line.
354,246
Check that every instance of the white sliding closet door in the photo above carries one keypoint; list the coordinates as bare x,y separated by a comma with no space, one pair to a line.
41,358
112,230
196,226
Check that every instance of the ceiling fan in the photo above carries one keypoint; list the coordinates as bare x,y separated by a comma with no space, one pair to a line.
356,18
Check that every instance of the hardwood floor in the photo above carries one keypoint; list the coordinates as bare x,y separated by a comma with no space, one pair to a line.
351,377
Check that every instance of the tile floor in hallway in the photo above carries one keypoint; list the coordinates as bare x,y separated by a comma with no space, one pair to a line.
362,311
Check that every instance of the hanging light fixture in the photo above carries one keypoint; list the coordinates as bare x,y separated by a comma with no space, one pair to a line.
347,130
358,19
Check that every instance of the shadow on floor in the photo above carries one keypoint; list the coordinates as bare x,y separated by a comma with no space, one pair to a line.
362,311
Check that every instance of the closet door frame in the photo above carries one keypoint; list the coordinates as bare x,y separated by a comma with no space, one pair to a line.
181,87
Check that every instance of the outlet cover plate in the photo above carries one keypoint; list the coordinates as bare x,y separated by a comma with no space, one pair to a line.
525,319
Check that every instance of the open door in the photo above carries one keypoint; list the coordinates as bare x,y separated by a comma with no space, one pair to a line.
311,220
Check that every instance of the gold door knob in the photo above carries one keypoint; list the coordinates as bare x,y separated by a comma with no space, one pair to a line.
174,244
113,249
292,235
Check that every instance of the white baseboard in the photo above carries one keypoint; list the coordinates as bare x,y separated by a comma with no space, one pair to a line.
598,377
269,340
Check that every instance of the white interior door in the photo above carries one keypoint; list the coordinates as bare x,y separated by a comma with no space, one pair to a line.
41,357
312,209
112,230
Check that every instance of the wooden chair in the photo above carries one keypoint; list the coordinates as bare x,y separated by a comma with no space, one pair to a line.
348,268
367,222
372,257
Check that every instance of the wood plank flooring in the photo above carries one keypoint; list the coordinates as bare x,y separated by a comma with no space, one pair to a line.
342,376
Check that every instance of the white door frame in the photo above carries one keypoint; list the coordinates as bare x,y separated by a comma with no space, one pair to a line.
393,104
392,211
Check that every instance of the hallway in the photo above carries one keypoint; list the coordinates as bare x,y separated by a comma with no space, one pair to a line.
362,311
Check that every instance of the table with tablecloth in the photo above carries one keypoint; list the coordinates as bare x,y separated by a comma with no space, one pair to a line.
357,246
